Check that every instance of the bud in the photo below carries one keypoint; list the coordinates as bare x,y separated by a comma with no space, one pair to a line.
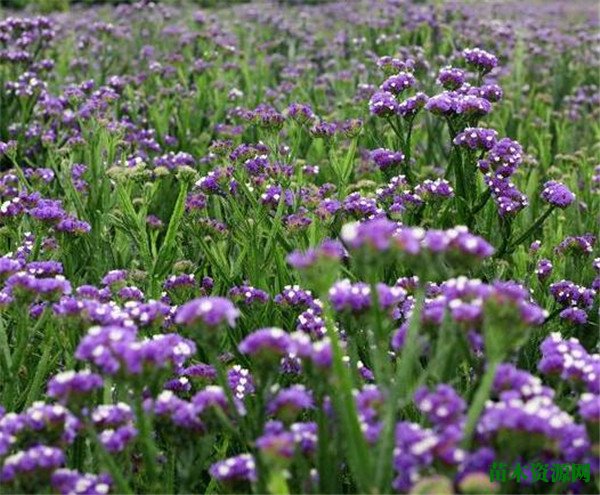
433,485
475,483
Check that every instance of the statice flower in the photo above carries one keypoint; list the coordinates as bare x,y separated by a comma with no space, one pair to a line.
398,83
294,296
441,104
451,77
305,436
503,159
240,381
376,234
179,412
368,401
248,294
275,442
568,359
383,104
411,106
301,113
547,426
510,380
576,316
557,194
328,250
267,343
111,415
208,311
413,452
385,159
443,406
48,210
311,323
589,407
239,468
568,293
480,59
36,461
509,200
434,189
476,138
543,269
71,385
22,284
289,402
471,105
102,346
118,439
356,298
70,482
491,92
114,277
582,244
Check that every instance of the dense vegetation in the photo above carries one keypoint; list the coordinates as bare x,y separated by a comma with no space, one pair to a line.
312,249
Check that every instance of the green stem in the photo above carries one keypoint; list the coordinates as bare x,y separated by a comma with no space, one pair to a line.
345,405
405,375
149,450
41,370
533,227
109,463
478,404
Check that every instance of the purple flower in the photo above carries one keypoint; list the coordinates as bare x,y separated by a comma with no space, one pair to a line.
577,316
442,104
582,244
376,234
503,159
275,442
476,138
438,188
208,311
117,440
543,269
70,384
480,59
111,415
247,294
510,380
383,104
385,159
305,436
443,406
239,468
571,361
328,250
557,194
451,78
114,277
70,482
240,381
356,298
266,342
411,106
509,200
301,113
398,83
568,293
294,295
34,461
589,407
538,417
288,402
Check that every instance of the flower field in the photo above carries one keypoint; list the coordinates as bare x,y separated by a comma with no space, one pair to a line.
300,247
